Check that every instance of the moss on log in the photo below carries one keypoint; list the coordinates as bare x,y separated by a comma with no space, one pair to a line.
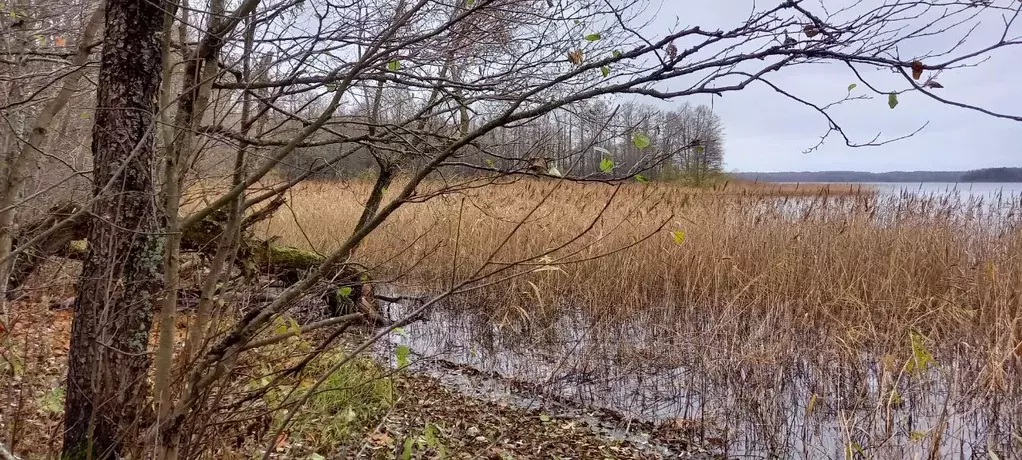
289,257
287,264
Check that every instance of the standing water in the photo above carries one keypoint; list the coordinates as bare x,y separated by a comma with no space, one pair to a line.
810,407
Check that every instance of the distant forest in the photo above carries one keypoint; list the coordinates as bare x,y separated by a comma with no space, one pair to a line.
978,175
588,138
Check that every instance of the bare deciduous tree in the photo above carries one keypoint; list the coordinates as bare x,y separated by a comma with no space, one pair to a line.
120,284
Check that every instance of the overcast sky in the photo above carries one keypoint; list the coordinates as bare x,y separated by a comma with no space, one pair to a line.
767,132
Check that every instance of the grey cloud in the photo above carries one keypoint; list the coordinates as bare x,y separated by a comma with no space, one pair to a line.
766,132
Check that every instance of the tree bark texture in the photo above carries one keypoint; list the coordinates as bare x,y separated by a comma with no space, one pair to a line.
107,388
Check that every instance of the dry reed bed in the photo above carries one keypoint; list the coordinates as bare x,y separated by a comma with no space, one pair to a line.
755,270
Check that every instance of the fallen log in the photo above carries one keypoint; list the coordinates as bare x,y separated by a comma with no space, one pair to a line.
256,257
349,291
73,225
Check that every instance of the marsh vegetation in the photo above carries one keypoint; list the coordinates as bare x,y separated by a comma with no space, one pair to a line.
768,321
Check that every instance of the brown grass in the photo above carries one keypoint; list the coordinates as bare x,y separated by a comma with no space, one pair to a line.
754,269
786,190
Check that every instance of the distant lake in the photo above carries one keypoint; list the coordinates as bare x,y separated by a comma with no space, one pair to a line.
965,189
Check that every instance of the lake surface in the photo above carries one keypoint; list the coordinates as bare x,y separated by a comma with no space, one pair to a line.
986,190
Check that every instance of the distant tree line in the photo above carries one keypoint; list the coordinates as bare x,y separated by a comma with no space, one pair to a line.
993,175
978,175
586,139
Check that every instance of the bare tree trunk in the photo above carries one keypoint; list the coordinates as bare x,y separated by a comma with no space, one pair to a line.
28,158
108,363
171,260
10,150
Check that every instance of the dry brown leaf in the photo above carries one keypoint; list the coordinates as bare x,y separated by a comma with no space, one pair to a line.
917,70
280,442
575,56
382,439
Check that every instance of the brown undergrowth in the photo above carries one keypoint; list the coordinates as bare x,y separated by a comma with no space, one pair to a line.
363,411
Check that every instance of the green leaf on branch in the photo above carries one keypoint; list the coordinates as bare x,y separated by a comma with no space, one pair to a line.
640,140
606,165
851,87
401,353
344,291
593,37
394,65
616,53
892,100
605,70
642,179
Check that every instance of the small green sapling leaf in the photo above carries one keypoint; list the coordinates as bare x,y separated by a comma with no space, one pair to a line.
640,140
606,165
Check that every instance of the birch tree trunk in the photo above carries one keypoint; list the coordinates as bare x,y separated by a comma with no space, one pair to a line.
106,382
